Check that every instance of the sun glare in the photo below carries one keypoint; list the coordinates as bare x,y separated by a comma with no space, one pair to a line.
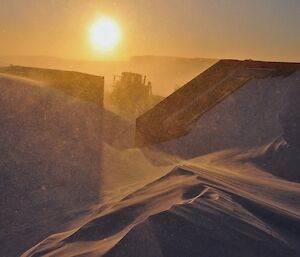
105,34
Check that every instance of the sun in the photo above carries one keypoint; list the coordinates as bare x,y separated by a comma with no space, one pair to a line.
104,34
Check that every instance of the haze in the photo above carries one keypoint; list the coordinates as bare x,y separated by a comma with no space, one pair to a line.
257,29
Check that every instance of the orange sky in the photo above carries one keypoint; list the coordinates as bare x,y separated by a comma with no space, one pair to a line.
244,29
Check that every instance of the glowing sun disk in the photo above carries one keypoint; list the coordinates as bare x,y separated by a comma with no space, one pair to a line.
105,34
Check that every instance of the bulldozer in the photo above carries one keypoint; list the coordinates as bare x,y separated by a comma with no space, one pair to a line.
131,93
133,83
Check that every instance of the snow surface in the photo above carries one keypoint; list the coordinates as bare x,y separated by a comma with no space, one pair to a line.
68,190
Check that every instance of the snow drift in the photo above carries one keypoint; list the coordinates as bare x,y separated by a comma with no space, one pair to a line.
203,208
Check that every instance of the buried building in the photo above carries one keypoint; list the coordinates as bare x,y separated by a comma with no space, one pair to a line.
80,85
232,104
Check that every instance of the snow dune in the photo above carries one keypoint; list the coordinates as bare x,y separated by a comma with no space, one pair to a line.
201,208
